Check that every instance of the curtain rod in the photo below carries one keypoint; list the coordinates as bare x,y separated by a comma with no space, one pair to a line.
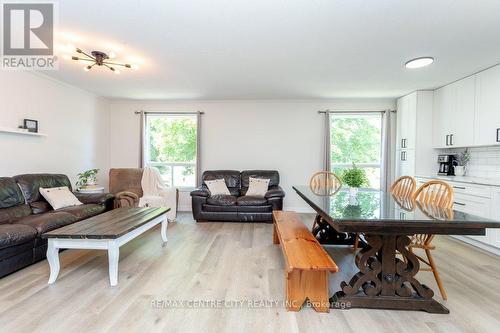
354,111
162,112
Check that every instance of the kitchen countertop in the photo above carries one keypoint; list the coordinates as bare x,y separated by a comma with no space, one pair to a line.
466,179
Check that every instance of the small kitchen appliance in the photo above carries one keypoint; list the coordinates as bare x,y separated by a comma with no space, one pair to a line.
447,165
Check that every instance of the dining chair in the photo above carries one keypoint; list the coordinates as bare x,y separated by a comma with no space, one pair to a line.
435,194
403,189
324,183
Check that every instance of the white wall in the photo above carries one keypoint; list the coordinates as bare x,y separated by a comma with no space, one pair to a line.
76,122
282,135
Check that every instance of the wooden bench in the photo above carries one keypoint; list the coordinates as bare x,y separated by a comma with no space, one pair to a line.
307,263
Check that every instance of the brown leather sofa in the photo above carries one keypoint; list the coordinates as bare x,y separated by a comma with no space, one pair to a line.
237,207
25,216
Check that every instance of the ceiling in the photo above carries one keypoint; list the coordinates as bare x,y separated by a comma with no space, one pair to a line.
277,49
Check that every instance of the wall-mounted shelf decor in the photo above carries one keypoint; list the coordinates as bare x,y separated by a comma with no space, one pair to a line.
17,131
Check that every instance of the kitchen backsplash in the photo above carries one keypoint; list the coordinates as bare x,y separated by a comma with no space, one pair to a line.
484,161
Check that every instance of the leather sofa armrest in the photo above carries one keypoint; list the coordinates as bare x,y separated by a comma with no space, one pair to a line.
126,199
198,199
104,199
94,198
200,192
275,192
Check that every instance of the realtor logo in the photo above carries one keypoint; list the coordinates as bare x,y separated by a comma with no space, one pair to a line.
28,36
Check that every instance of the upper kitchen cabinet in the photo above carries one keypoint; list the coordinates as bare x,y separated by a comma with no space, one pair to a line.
414,153
444,103
406,121
453,116
487,117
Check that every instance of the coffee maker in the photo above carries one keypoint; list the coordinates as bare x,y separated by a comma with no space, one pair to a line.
447,165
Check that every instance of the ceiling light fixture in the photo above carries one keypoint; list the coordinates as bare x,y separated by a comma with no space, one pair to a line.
100,59
419,62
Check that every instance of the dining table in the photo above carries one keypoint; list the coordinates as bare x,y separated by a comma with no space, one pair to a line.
387,267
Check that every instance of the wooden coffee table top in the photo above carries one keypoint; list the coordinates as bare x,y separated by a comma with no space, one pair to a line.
109,225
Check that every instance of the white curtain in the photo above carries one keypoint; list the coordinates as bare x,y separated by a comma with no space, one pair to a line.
327,161
388,121
198,148
142,123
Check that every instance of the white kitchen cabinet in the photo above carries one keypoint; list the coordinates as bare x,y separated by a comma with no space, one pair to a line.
494,234
414,153
487,116
402,105
405,165
473,190
462,134
474,205
444,103
453,114
493,237
406,121
480,200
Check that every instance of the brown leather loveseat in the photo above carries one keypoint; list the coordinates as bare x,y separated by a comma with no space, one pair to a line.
237,207
25,216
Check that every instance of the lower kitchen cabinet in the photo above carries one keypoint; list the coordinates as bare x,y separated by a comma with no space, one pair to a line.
494,234
480,200
474,205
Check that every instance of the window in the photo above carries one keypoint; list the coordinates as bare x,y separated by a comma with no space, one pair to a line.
170,145
357,138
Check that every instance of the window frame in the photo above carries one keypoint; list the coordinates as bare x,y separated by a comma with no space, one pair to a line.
146,146
359,165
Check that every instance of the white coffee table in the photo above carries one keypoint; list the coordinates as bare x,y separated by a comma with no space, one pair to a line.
107,231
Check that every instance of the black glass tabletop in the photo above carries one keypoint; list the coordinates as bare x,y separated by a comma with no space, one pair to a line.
377,209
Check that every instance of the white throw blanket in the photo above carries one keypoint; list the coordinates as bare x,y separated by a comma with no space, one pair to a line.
156,194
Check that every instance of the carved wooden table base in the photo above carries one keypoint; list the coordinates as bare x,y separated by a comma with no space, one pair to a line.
327,235
384,281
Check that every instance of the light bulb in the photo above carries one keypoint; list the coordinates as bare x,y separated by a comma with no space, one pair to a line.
116,71
87,68
134,66
66,57
112,55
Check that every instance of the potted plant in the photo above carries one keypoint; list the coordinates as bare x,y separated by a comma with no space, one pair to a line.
462,160
87,178
354,178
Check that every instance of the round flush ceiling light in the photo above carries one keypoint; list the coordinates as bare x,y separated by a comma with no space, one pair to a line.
419,62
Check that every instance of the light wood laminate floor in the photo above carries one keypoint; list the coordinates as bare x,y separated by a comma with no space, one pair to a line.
233,262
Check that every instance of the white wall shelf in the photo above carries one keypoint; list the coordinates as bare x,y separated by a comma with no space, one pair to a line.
16,131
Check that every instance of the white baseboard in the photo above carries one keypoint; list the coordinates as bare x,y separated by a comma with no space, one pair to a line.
478,244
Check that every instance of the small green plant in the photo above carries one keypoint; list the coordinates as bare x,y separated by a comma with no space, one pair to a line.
463,158
355,177
87,177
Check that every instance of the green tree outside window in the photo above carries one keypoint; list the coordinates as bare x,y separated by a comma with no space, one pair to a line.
357,139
